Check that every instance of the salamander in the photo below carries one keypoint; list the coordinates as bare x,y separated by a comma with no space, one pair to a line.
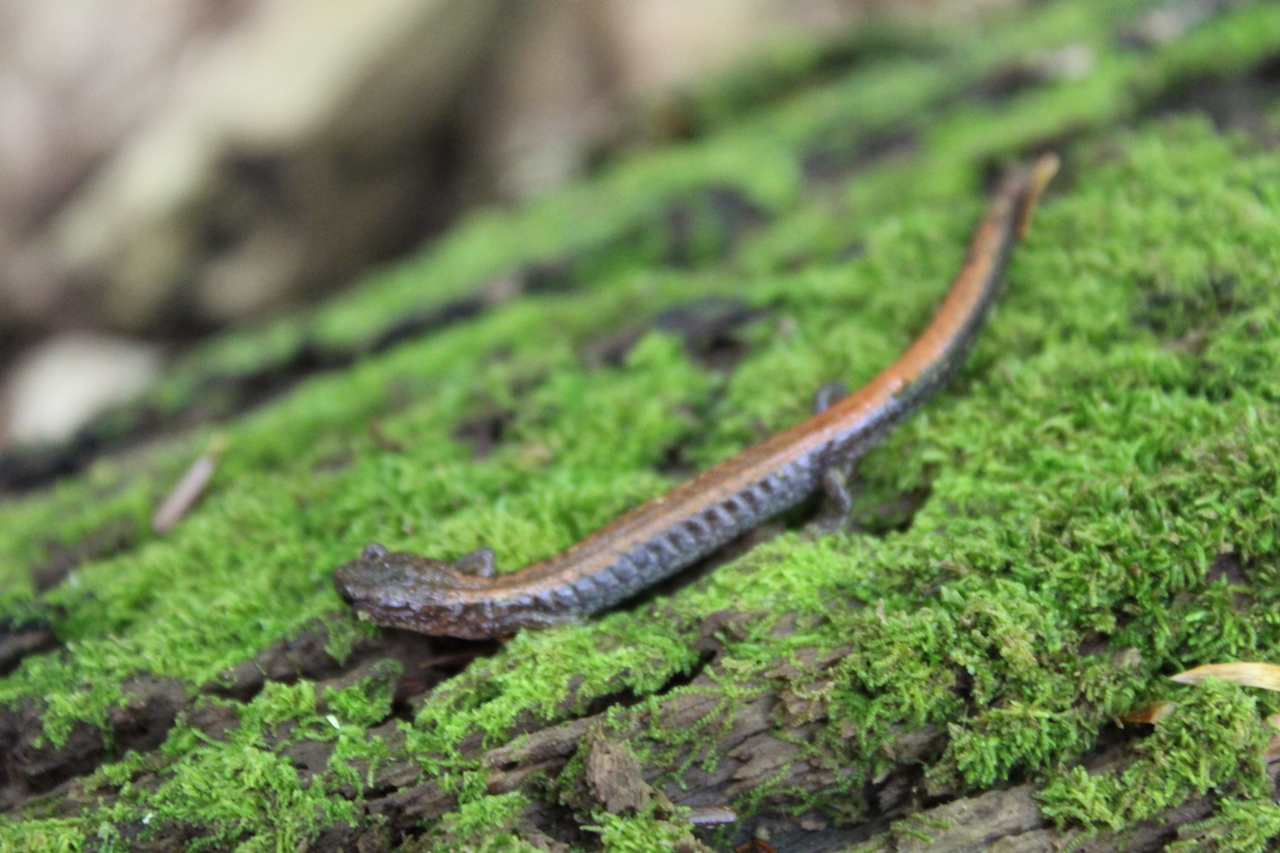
466,598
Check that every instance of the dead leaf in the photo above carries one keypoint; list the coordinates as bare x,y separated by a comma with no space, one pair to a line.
1264,675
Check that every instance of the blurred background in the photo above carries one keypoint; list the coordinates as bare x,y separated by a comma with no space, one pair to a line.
172,167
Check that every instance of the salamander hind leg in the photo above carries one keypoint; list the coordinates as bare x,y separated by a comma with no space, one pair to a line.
827,394
837,501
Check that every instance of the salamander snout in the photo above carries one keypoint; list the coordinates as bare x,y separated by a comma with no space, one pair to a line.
372,575
382,580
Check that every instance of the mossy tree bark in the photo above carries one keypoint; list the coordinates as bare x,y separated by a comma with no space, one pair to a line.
1092,507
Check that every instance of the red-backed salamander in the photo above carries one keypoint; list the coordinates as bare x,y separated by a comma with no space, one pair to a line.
464,598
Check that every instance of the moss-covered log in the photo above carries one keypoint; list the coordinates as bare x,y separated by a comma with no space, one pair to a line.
1092,507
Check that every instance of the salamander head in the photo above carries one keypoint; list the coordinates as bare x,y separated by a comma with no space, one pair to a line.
403,590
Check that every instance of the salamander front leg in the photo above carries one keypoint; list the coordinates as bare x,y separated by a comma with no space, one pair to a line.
837,502
835,488
479,562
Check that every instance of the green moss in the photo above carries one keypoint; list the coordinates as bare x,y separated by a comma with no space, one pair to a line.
368,701
186,783
53,835
271,809
485,825
1246,826
640,833
1214,734
535,677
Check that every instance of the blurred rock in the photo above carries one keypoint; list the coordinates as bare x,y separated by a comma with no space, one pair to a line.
171,166
566,72
659,44
1171,21
76,78
542,104
291,153
53,389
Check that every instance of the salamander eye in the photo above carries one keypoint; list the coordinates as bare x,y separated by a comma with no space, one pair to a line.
373,551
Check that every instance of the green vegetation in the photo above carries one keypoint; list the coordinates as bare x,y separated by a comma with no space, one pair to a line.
1114,437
